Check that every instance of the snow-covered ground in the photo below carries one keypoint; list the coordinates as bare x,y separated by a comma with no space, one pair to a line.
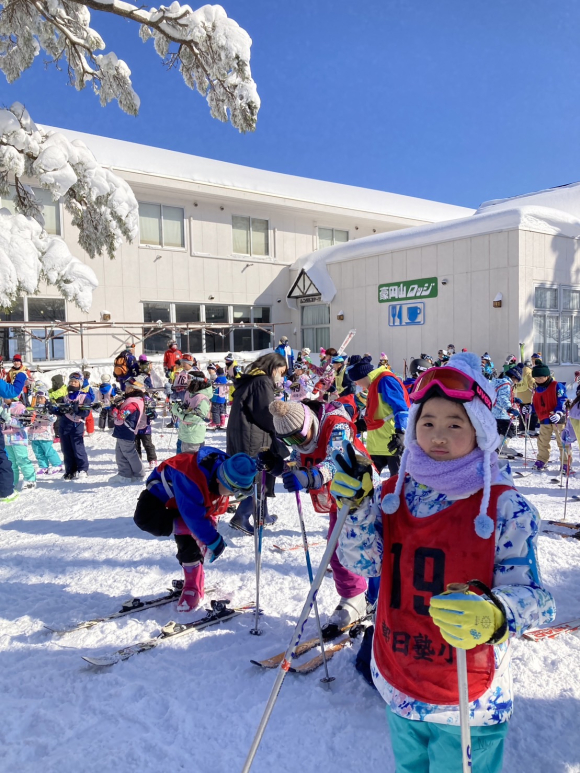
71,552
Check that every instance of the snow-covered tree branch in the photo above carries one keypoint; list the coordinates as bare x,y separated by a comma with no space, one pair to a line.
210,50
102,205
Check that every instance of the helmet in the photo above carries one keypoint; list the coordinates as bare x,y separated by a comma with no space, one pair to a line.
187,357
105,378
76,375
143,358
283,339
418,366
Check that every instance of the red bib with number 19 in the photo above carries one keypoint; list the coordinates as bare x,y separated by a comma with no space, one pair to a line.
421,557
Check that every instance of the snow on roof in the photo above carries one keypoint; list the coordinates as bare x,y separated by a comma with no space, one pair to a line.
530,213
565,198
129,156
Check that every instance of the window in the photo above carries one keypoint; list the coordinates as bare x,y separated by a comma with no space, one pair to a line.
40,343
189,341
47,344
248,339
250,236
12,339
217,339
212,339
156,340
161,226
557,324
50,208
546,298
570,299
328,237
315,321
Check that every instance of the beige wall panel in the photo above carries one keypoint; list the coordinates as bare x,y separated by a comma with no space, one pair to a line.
429,260
211,269
461,255
480,252
514,248
371,271
444,259
347,268
164,269
480,309
413,267
462,321
498,250
538,250
398,267
147,270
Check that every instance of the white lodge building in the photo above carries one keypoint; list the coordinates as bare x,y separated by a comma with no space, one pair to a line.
234,257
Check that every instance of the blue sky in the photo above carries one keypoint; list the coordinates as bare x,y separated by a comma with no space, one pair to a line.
443,99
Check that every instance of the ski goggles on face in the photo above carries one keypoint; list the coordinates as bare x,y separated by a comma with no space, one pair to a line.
452,382
298,437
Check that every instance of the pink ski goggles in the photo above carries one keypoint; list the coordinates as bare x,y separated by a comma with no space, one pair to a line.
452,382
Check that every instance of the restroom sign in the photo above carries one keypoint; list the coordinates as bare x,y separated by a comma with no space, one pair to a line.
405,314
412,288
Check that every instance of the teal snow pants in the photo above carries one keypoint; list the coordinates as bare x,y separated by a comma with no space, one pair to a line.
18,455
429,747
45,453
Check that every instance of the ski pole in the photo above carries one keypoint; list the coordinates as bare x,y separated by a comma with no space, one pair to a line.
258,527
327,679
505,437
297,635
569,457
461,656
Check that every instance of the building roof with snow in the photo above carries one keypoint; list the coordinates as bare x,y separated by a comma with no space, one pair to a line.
131,157
553,211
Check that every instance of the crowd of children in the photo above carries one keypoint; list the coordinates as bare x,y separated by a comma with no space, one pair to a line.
333,426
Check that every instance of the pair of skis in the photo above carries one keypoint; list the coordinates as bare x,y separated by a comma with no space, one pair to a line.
351,631
131,607
572,533
219,613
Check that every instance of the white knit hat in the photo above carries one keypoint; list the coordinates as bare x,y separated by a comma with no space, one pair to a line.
290,417
486,436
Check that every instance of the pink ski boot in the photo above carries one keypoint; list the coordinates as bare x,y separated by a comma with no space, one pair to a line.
192,593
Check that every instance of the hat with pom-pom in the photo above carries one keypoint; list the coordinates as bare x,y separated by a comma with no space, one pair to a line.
290,417
361,369
486,435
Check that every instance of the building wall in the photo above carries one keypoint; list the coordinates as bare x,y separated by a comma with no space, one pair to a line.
545,259
475,268
206,265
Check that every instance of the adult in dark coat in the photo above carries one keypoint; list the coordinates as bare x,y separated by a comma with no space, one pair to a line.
251,426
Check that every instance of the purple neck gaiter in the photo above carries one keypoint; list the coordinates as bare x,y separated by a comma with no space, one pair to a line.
457,479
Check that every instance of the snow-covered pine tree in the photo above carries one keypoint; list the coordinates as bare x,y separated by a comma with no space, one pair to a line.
210,50
102,205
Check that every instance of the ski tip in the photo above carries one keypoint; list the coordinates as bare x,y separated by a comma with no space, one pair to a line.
99,662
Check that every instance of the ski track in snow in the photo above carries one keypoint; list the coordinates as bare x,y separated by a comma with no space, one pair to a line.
71,552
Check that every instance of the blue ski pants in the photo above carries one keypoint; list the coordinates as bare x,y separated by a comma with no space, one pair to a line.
72,446
430,747
45,453
6,471
18,455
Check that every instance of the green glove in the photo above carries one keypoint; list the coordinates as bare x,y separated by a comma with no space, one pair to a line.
466,619
354,476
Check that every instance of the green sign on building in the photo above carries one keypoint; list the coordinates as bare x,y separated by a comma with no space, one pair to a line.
412,288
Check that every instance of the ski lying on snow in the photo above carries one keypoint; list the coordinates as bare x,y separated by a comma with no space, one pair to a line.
303,647
130,607
283,549
562,523
312,664
219,613
523,474
550,633
569,535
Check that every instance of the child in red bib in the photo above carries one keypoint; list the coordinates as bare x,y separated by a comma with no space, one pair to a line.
451,516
